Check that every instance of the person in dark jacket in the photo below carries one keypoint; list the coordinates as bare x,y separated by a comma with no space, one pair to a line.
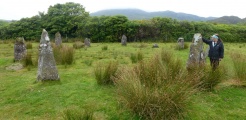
216,51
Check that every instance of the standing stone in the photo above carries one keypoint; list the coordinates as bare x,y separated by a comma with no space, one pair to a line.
155,46
181,43
87,42
46,62
19,49
58,39
196,56
124,40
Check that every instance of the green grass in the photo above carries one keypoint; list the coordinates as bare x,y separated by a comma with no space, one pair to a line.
23,98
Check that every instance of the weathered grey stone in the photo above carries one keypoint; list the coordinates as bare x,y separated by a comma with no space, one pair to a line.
124,40
181,43
58,39
15,67
155,46
196,56
46,63
19,49
87,42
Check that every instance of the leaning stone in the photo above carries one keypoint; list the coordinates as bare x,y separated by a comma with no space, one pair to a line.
58,39
19,49
124,40
196,55
46,63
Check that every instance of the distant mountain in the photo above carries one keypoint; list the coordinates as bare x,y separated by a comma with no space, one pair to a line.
228,20
136,14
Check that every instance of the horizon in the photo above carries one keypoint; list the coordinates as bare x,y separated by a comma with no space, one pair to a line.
28,8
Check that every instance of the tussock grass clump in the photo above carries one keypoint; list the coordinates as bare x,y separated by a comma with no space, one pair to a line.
239,62
27,60
104,48
64,54
105,72
88,62
205,78
136,57
155,89
86,113
177,47
78,45
141,45
29,45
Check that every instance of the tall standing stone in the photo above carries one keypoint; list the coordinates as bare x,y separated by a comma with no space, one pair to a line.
58,39
124,40
181,43
87,42
196,56
46,63
19,49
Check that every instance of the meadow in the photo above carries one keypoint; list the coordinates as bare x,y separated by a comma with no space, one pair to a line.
22,97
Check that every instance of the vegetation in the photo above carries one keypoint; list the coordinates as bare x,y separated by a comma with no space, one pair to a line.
136,57
63,54
78,85
105,72
105,47
29,45
78,45
239,62
72,21
155,89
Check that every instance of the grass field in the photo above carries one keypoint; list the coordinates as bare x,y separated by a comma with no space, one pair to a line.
23,98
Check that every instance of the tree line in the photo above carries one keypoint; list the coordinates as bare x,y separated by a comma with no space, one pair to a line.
73,21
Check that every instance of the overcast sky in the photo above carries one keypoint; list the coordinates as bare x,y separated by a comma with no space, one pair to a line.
17,9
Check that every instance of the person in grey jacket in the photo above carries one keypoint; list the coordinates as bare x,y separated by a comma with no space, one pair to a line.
216,51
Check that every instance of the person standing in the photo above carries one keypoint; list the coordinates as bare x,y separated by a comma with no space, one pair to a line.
216,51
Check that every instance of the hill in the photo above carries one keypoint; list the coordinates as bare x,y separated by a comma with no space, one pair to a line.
228,20
136,14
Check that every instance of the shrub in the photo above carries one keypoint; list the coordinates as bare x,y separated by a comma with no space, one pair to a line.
105,47
27,60
78,45
151,92
239,62
29,45
136,57
64,54
105,72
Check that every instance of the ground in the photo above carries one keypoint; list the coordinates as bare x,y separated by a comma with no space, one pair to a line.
21,97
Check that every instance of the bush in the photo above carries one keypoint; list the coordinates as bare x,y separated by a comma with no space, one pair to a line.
152,92
239,62
29,45
78,45
27,60
136,57
64,54
105,73
105,47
